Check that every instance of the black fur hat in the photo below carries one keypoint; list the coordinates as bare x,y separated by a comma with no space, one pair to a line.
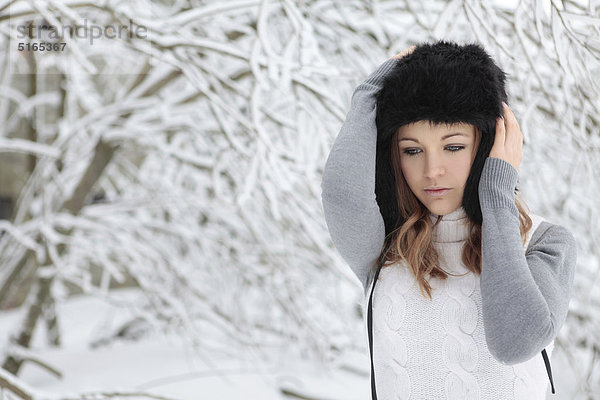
442,82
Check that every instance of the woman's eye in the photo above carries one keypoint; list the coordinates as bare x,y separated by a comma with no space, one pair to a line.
414,152
409,152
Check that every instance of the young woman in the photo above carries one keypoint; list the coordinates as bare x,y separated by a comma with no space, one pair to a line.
464,287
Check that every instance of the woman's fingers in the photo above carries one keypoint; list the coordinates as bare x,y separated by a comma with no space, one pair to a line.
508,141
498,149
509,118
500,132
405,52
514,136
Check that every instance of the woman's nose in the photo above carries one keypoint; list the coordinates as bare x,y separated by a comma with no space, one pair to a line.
434,167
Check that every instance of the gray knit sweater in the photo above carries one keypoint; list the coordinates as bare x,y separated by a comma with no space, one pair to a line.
525,295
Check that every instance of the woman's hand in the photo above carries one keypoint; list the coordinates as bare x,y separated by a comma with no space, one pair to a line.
405,52
508,143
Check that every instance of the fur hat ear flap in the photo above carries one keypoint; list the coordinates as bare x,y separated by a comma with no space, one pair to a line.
443,82
470,201
385,186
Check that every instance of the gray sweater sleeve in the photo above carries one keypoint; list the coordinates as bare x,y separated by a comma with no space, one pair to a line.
348,184
525,295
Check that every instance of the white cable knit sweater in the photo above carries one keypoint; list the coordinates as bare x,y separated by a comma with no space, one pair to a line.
436,349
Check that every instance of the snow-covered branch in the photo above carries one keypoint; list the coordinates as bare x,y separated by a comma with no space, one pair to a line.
218,124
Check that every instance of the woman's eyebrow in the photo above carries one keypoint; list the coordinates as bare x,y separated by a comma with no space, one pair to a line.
443,137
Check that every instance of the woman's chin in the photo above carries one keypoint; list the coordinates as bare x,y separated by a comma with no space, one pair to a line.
441,209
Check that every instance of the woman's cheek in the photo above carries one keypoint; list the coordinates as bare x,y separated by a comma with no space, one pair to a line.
468,163
405,169
408,178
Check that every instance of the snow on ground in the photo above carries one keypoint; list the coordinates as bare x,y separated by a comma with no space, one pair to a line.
165,365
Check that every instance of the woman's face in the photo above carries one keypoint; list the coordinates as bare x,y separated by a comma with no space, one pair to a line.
437,156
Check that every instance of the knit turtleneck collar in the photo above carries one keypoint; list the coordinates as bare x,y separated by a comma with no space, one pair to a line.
453,227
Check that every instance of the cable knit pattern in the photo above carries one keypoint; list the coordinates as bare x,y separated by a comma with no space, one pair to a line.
436,349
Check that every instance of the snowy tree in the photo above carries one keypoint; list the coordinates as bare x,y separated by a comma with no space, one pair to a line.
187,161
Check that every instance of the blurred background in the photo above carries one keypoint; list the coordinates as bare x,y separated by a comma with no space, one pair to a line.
161,229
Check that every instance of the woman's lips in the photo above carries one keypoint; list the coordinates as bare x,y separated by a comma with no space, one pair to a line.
439,192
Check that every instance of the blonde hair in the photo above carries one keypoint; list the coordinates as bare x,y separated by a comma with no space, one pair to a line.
412,241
